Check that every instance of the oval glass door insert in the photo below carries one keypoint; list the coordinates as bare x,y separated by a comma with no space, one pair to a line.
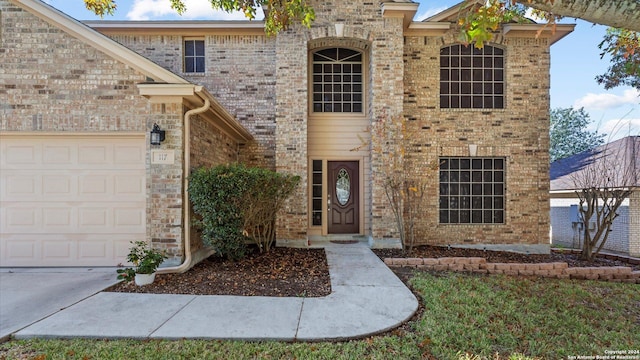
343,187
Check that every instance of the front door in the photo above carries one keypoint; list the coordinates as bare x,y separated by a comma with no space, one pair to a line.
344,197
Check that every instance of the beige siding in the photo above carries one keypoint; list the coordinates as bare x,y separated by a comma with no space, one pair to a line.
343,138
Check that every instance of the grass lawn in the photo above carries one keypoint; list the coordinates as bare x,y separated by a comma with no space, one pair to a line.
464,317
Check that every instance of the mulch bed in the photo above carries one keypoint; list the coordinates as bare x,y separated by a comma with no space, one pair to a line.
304,272
572,259
279,272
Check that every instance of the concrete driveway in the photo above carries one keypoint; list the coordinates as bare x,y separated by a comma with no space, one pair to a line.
31,294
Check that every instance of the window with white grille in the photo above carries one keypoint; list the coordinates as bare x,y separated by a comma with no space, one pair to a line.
337,78
471,78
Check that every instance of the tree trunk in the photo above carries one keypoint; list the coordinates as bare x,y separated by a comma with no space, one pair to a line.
587,248
616,13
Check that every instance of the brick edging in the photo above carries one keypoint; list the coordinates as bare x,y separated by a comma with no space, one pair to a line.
559,270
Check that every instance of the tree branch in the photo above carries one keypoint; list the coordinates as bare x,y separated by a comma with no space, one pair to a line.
614,13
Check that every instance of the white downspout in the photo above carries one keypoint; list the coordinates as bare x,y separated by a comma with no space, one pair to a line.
186,264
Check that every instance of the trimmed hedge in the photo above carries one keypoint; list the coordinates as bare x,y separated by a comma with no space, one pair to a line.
236,204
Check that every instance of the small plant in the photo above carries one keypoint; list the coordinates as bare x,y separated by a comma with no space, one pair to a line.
145,260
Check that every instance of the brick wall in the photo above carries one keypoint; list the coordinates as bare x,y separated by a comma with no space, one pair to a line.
51,81
387,85
558,270
209,147
291,130
164,184
240,72
519,132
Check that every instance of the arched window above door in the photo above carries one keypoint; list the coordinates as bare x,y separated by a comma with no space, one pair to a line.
337,81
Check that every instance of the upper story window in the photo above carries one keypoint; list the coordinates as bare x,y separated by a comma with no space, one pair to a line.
337,81
194,56
471,78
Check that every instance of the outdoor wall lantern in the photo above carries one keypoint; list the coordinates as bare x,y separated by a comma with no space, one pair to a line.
157,135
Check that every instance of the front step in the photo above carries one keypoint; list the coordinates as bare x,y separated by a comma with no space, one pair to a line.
319,241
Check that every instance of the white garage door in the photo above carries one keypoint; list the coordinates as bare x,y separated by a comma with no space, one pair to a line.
71,200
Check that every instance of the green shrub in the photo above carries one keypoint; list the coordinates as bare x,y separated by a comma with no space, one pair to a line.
235,204
266,193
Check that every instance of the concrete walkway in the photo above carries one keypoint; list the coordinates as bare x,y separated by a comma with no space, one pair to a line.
28,295
367,298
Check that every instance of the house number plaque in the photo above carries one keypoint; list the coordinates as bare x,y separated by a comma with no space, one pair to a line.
165,157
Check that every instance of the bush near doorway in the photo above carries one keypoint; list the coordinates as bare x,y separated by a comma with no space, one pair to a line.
235,204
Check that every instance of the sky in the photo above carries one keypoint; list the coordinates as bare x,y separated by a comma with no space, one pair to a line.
575,60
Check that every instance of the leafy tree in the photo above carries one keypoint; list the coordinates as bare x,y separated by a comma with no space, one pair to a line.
477,25
621,42
280,14
569,135
604,180
624,48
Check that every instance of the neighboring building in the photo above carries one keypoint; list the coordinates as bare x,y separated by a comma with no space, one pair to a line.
614,165
80,178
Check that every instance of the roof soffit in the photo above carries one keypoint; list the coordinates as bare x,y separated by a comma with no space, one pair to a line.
194,96
405,10
184,28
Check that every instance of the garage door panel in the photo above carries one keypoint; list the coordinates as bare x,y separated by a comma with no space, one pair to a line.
94,155
71,153
20,249
22,217
29,185
58,217
57,249
54,250
94,249
57,185
37,219
33,185
19,154
91,185
71,200
75,218
129,155
129,218
92,218
59,154
128,185
19,186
